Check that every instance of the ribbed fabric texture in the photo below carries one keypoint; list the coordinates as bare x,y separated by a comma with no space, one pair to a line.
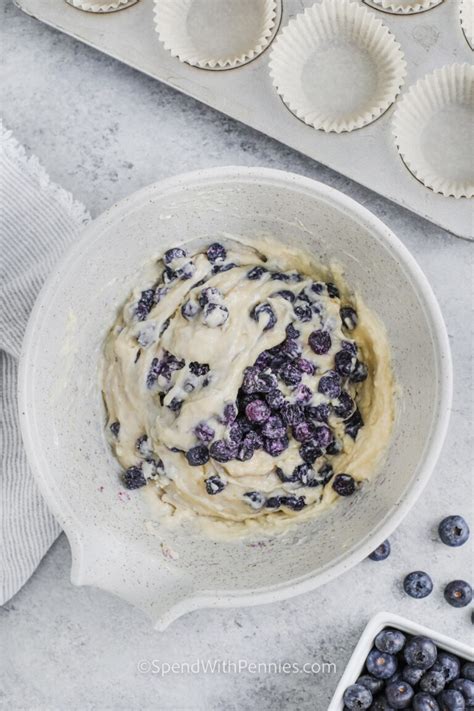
38,220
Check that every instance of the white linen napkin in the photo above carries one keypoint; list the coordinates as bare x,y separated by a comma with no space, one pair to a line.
38,220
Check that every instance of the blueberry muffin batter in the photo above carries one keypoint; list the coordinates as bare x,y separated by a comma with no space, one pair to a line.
243,385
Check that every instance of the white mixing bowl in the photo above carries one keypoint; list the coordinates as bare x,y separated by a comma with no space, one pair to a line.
160,570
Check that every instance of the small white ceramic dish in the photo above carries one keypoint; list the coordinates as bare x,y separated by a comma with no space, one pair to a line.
114,546
379,622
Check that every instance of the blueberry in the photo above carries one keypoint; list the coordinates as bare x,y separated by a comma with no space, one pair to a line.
145,304
458,593
255,499
305,366
466,687
296,503
256,273
425,702
115,428
344,485
265,313
333,291
284,477
303,431
433,682
418,584
292,413
412,675
330,385
172,254
187,271
215,315
303,311
391,641
285,294
303,394
348,317
219,268
360,373
350,346
279,276
344,406
204,432
357,697
274,428
210,295
275,399
236,431
370,683
198,455
230,413
142,446
290,375
160,293
175,405
168,275
420,652
399,694
189,309
381,665
263,361
323,436
275,447
216,253
291,331
214,484
153,373
451,700
133,478
353,424
290,348
381,704
320,342
309,452
453,531
320,413
255,381
449,665
303,473
381,553
222,451
467,671
198,369
345,363
325,473
253,440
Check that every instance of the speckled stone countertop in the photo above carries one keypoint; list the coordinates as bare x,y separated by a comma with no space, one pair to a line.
102,131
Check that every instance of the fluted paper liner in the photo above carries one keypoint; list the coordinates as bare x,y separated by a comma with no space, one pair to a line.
466,13
433,130
101,5
213,34
336,66
403,7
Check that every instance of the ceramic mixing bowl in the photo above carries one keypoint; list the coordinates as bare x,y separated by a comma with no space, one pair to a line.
114,545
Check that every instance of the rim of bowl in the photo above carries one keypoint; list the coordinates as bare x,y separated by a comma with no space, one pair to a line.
73,527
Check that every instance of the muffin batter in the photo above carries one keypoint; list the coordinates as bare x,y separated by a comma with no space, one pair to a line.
243,385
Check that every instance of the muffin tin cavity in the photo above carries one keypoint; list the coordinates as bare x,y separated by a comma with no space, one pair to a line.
336,66
466,15
211,34
101,6
403,7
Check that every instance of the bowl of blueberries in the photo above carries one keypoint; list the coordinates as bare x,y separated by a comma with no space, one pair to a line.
399,664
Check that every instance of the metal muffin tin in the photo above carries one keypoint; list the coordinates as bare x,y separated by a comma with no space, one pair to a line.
368,155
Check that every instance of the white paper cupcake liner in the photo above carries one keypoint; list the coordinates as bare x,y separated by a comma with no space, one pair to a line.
216,34
101,6
433,129
403,7
466,14
336,66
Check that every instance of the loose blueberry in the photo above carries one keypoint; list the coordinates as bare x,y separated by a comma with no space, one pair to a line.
357,697
381,665
449,665
172,254
348,317
320,342
391,641
360,373
222,451
458,593
425,702
255,499
399,694
344,406
330,385
214,484
275,447
412,675
115,428
216,253
204,432
198,369
451,700
292,413
275,399
265,314
344,485
466,688
133,478
274,428
320,413
345,363
370,683
309,452
256,273
418,584
453,531
381,553
145,304
290,375
420,652
215,315
433,682
198,455
333,291
353,424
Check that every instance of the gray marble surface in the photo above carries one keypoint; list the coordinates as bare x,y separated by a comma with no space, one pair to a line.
102,131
